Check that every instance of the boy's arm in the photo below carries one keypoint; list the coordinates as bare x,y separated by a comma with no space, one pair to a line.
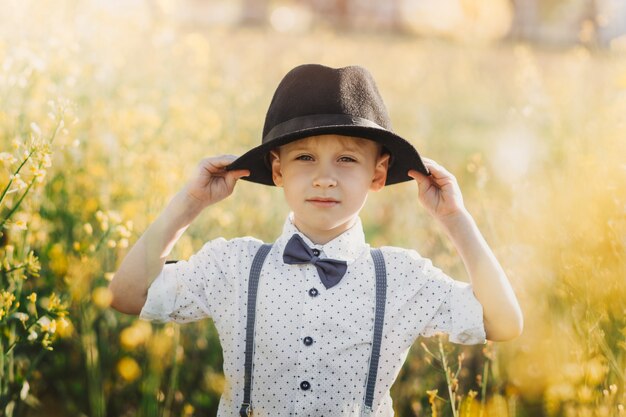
439,193
145,260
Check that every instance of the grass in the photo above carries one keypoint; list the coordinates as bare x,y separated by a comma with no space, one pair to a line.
534,136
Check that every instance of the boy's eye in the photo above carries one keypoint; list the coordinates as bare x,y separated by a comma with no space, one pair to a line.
304,158
347,159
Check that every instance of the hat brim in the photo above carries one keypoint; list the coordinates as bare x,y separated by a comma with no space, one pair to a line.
404,156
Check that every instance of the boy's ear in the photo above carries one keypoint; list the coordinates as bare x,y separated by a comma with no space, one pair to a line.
380,172
277,175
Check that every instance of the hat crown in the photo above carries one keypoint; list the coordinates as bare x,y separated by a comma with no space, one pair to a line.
316,100
314,89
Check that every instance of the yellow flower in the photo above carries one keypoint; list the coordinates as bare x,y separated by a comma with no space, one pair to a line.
19,225
18,182
36,129
32,264
123,231
596,370
23,317
64,327
102,297
432,396
47,325
46,162
214,382
7,158
188,410
128,369
88,228
135,335
6,299
32,297
41,175
37,173
114,216
584,394
58,259
52,303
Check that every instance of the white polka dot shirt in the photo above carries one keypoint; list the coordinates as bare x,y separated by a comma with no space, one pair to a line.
312,344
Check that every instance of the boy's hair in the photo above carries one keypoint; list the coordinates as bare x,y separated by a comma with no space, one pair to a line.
381,150
315,100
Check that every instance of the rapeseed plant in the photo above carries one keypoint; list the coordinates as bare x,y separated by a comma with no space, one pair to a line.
534,136
24,321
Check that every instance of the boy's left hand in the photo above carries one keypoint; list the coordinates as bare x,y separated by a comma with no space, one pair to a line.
439,192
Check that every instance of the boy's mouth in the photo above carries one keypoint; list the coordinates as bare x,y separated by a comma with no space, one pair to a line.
322,201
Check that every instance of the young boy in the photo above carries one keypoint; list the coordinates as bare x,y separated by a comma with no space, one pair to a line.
322,324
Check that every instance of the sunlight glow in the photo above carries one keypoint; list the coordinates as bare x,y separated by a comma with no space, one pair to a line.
515,151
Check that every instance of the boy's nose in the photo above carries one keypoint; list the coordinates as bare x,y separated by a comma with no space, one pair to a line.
325,178
325,182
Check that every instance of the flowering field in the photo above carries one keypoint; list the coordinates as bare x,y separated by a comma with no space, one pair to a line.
103,116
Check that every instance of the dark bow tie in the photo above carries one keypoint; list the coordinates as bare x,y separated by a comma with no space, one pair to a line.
330,270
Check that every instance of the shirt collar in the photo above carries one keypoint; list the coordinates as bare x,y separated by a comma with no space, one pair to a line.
346,247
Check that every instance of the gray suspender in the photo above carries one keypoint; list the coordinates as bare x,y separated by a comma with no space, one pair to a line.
253,284
381,296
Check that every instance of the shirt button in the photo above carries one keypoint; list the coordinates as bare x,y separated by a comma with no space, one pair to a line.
308,340
313,292
305,385
316,252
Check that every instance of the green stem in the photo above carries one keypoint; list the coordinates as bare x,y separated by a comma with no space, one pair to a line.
6,189
15,268
448,381
102,238
483,388
56,129
2,371
16,206
173,383
12,345
92,362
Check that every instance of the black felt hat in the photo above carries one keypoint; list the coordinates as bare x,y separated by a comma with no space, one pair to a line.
315,100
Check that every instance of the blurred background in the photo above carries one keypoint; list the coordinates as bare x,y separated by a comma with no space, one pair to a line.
106,107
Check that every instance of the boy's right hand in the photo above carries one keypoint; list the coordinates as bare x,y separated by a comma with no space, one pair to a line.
212,182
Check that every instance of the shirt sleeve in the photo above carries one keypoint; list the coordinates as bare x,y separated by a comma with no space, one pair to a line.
203,286
425,301
460,315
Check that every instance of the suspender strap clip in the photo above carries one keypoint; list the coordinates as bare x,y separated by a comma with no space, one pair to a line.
245,410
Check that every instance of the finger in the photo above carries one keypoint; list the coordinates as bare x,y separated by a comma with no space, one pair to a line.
434,168
422,180
240,173
217,163
437,171
231,177
416,175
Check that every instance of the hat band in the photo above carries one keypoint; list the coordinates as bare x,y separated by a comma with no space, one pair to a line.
316,121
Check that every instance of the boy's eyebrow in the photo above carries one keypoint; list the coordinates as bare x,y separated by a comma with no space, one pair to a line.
346,148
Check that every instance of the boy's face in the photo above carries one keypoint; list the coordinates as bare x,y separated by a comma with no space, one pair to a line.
326,180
